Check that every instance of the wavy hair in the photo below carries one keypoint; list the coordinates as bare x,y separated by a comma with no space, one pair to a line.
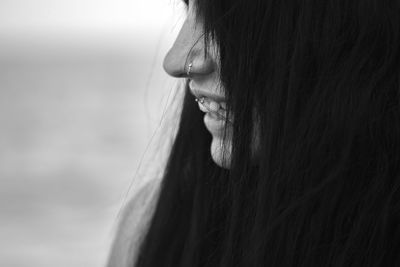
323,79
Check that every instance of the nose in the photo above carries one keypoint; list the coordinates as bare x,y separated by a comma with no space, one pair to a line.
188,48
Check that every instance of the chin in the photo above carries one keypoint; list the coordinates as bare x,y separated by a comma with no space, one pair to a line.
221,152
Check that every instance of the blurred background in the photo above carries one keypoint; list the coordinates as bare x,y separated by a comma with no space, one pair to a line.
82,92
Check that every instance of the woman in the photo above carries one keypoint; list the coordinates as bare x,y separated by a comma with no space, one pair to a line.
296,162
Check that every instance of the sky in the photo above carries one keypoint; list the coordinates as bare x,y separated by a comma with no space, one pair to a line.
82,94
83,15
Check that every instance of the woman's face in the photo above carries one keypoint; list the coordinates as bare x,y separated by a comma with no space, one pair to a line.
187,59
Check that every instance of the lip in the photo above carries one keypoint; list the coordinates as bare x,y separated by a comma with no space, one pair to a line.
214,124
199,93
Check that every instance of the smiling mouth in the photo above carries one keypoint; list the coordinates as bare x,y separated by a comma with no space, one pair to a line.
218,109
204,93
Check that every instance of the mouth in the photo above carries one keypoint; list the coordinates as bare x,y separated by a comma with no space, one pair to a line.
209,102
216,110
207,94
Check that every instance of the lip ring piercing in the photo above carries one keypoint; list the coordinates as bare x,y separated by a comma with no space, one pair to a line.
189,68
200,100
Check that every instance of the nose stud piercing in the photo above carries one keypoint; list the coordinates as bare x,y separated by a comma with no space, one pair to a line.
189,68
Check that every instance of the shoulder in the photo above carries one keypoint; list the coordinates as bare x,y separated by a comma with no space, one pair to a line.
133,223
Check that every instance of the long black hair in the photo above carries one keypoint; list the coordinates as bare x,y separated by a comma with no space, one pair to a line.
323,80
